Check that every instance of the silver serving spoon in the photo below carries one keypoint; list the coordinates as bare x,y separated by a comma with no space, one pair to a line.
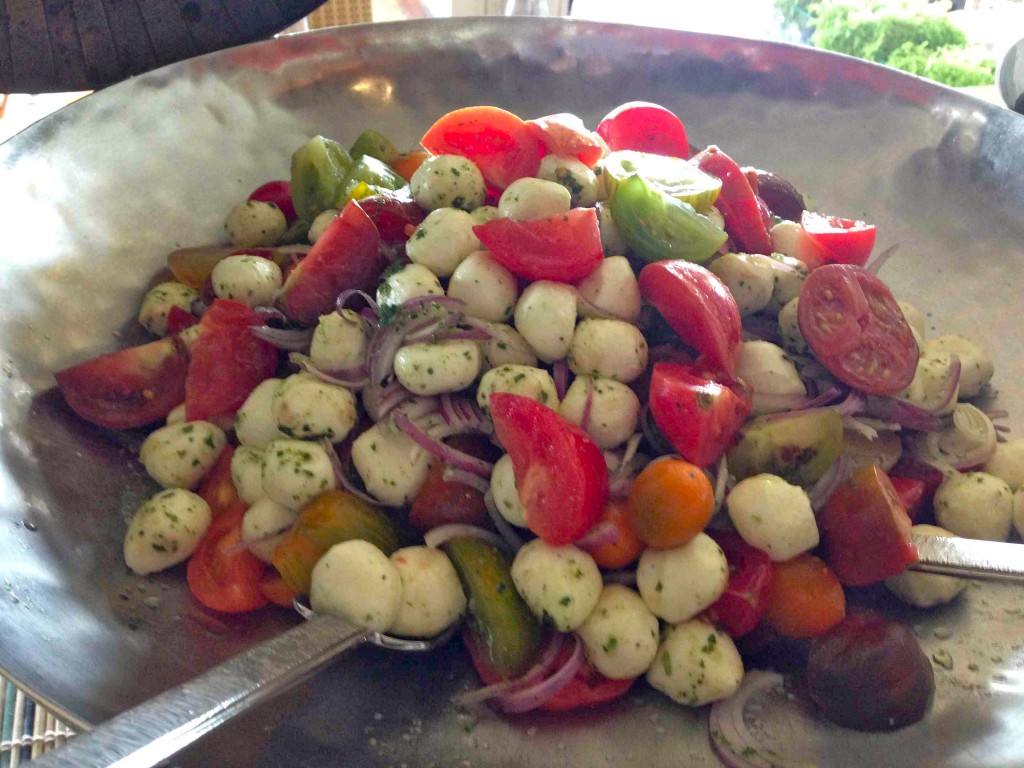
158,729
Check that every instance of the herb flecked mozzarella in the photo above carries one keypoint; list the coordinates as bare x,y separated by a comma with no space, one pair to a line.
321,222
390,463
448,180
307,408
251,280
357,582
614,411
165,530
611,289
534,383
769,372
442,241
559,584
158,302
976,367
680,582
1007,463
264,526
487,288
925,590
975,505
180,455
247,473
255,224
432,596
581,182
255,423
504,492
546,315
528,198
773,516
295,471
696,664
430,368
750,280
339,341
611,349
508,347
621,634
407,282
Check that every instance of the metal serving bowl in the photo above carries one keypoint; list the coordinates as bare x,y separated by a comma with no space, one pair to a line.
95,196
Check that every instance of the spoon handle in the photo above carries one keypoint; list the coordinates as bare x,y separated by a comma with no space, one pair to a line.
155,730
969,558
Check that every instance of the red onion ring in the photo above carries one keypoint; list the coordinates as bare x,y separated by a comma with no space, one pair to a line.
732,741
270,313
533,696
587,404
435,537
878,262
505,529
601,534
453,475
439,450
595,311
560,373
381,400
342,477
535,673
353,378
344,296
838,473
625,578
291,340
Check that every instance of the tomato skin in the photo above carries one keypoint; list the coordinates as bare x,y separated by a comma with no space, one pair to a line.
498,142
670,502
280,194
645,127
625,548
178,320
844,241
565,135
227,361
562,248
130,388
740,207
277,591
223,576
911,469
441,502
699,416
218,489
699,308
347,255
806,599
560,473
865,530
912,494
745,600
405,165
391,213
855,328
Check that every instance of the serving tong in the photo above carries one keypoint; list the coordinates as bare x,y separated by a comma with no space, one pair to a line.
158,729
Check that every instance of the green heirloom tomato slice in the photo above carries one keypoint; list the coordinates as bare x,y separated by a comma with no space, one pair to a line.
319,168
659,227
672,175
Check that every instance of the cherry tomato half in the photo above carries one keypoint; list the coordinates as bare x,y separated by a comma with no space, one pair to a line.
560,473
745,216
670,502
912,495
442,502
855,328
218,488
806,598
844,241
624,547
565,135
280,194
222,575
745,599
645,127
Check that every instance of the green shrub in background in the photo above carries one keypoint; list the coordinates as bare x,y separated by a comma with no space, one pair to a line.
916,37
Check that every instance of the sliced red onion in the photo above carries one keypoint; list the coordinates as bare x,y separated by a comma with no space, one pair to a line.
834,476
290,340
560,373
761,327
541,668
437,449
430,301
733,742
852,405
969,441
1001,428
342,476
353,378
379,400
533,696
878,262
460,415
997,414
595,311
453,475
435,537
505,529
853,424
344,296
1000,437
270,313
809,405
721,479
626,578
587,405
467,334
602,534
904,413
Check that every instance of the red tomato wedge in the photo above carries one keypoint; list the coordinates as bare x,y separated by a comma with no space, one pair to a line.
700,417
565,135
218,488
560,473
844,241
130,388
346,255
444,502
391,213
222,575
280,194
698,307
855,328
227,361
912,494
865,530
745,599
178,320
746,217
498,142
645,127
563,248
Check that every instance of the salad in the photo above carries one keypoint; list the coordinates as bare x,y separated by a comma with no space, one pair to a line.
622,409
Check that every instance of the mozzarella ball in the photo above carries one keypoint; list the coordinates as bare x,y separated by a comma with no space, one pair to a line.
488,289
612,241
483,214
251,280
559,584
357,582
621,634
768,371
504,493
321,222
1018,511
915,318
255,422
408,282
295,471
177,415
1007,463
247,473
608,348
790,239
448,180
534,383
442,241
975,505
928,386
581,182
749,280
925,590
189,335
392,466
264,526
789,328
339,341
306,407
158,302
546,315
165,530
180,455
614,410
611,289
696,664
789,275
255,224
432,597
507,347
436,367
975,364
774,516
528,198
681,582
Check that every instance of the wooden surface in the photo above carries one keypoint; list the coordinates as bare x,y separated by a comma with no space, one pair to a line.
69,45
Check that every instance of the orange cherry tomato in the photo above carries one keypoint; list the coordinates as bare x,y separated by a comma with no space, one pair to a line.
625,548
806,599
277,591
405,165
670,502
218,489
